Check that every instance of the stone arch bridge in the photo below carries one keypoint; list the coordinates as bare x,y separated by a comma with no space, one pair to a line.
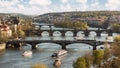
63,32
63,43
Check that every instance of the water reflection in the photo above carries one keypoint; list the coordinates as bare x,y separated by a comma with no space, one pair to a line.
2,52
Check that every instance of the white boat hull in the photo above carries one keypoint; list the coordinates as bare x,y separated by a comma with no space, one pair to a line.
27,54
59,53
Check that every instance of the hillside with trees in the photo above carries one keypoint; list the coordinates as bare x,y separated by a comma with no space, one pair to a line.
100,19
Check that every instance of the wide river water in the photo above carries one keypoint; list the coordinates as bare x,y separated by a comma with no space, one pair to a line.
12,58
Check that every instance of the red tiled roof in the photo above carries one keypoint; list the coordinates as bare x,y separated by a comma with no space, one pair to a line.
4,27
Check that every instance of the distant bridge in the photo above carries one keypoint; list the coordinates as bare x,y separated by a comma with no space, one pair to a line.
64,31
63,43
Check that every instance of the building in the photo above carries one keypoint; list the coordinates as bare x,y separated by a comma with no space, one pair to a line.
5,31
94,22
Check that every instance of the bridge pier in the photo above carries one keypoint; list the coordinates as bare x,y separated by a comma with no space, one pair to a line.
86,33
18,46
75,34
94,47
110,32
50,26
50,34
64,47
28,33
14,45
33,46
63,34
39,34
95,44
98,34
40,26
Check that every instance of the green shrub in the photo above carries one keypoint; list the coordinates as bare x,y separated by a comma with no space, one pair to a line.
117,38
80,63
98,56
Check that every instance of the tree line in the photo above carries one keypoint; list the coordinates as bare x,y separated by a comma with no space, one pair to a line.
107,58
75,24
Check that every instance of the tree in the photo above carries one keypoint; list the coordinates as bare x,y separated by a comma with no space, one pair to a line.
98,57
116,27
14,20
3,39
107,54
21,33
15,35
88,60
68,23
80,63
83,62
112,56
117,38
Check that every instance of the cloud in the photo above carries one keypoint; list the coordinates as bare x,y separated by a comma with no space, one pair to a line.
81,1
31,7
66,7
82,5
64,1
21,7
112,4
40,2
18,6
7,3
96,4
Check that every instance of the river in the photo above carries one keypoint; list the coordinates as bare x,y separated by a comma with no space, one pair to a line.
12,58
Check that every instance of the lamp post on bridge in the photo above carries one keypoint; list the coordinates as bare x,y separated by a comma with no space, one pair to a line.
74,32
51,32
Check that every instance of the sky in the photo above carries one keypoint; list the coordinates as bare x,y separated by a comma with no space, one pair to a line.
38,7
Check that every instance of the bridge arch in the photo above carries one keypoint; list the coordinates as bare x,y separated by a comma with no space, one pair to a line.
57,33
92,33
45,33
80,43
69,33
46,44
26,46
79,46
59,45
108,32
94,45
80,33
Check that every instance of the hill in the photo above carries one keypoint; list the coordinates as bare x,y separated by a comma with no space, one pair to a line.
49,17
4,15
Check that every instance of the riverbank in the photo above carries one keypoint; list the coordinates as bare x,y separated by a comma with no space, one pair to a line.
2,46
